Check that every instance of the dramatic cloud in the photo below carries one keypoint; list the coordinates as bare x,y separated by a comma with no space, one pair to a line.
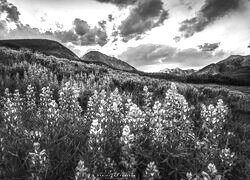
164,15
177,38
194,58
80,34
44,17
150,54
210,12
102,24
23,31
59,25
66,36
91,36
146,54
12,14
81,27
10,9
102,37
111,18
209,47
146,15
3,24
186,3
120,3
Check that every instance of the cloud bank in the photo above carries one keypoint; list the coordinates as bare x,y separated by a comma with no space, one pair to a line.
144,16
120,3
209,46
209,12
10,9
87,35
150,54
80,33
12,13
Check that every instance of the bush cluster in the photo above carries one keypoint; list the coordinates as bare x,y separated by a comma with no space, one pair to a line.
49,138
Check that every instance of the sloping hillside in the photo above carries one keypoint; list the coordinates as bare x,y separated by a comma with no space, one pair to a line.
54,48
234,70
47,47
236,67
95,56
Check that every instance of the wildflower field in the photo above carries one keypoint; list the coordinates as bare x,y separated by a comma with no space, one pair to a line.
62,119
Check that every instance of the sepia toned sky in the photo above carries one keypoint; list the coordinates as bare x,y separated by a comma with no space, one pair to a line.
149,34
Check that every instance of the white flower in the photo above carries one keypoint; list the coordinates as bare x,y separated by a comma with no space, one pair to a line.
102,102
126,130
95,122
189,175
115,106
212,168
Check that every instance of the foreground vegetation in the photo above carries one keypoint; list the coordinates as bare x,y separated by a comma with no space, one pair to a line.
63,119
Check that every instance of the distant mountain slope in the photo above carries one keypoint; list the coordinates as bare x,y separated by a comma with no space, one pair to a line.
95,57
235,67
47,47
178,71
234,70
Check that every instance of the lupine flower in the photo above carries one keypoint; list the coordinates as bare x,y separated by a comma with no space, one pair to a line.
189,175
82,172
212,168
151,170
38,161
227,156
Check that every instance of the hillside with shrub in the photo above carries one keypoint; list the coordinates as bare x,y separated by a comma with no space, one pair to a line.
231,71
47,47
66,119
97,57
235,67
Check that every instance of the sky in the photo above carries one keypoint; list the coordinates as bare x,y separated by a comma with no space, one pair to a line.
148,34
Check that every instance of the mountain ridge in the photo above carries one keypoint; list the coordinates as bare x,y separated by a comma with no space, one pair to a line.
178,71
234,70
235,66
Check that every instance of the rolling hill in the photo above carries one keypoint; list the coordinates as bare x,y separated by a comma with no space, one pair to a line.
235,70
97,57
235,67
54,48
47,47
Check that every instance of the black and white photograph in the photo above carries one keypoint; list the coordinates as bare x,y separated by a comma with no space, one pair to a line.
124,89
